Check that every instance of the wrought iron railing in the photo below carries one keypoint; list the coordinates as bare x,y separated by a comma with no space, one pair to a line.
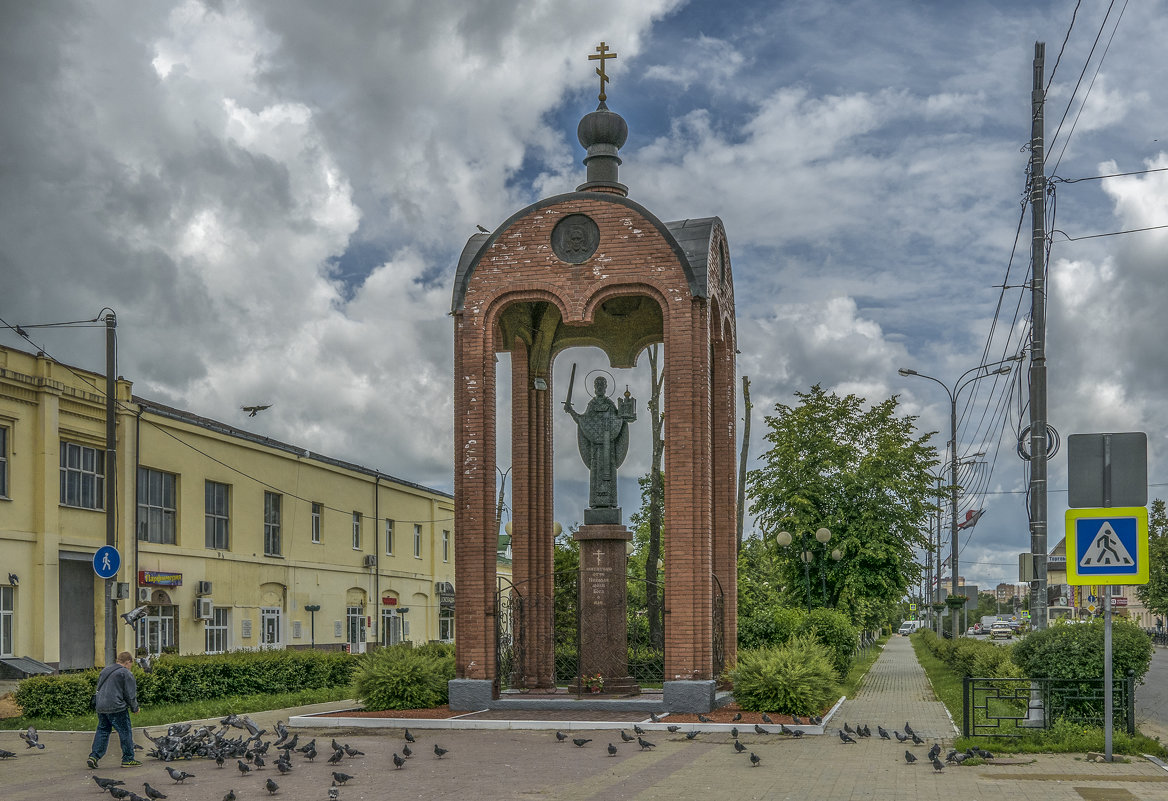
1009,707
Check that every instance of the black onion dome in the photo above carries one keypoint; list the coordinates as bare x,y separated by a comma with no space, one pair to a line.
602,127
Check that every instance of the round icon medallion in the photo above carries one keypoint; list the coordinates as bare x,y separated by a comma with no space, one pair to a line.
575,238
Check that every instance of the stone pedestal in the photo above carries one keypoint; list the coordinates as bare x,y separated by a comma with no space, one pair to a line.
603,604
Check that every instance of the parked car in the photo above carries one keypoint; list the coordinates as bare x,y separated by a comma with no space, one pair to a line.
1001,629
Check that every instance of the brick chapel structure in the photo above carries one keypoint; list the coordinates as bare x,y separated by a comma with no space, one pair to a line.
593,267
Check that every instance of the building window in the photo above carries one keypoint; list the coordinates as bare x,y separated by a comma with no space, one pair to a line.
446,625
417,540
3,462
270,625
6,604
316,512
445,546
215,631
391,630
389,537
156,506
356,531
215,509
158,630
272,523
82,476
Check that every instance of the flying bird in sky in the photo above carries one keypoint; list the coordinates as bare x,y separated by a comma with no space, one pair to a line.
254,409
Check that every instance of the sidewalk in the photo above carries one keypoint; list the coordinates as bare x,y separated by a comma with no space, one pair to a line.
514,764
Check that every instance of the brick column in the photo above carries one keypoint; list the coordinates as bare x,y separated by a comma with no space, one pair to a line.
725,471
474,493
531,506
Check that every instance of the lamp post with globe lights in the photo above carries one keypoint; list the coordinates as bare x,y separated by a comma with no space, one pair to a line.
807,556
964,380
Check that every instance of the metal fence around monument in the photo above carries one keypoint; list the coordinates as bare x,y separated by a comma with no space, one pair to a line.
513,611
1010,707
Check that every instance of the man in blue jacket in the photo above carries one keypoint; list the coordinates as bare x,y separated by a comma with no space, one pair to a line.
117,697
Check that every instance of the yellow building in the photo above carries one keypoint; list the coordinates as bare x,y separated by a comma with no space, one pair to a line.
229,540
1075,601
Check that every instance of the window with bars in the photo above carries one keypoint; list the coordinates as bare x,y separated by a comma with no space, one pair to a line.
356,531
215,631
418,540
156,506
317,510
216,515
82,476
272,523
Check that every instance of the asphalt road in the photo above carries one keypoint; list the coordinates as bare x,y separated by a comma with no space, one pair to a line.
1152,698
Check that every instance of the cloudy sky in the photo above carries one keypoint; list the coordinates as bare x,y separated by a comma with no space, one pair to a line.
272,197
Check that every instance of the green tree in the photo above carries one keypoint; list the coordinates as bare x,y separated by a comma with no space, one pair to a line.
1154,594
864,474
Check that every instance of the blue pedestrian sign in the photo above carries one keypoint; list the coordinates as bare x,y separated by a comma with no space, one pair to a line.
1107,545
106,562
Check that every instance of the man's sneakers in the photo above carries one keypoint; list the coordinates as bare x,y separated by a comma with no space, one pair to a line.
131,763
91,763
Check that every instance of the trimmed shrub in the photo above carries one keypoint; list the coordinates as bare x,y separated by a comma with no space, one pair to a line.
969,657
768,626
57,696
797,678
202,677
835,632
404,677
1075,651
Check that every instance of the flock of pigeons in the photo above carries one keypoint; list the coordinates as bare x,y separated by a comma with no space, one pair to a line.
251,752
953,757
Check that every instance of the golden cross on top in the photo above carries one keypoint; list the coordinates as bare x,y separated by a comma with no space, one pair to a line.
600,55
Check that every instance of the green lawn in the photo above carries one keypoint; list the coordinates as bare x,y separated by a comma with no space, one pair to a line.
172,713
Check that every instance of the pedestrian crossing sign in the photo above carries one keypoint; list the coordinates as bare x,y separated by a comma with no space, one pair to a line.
1107,545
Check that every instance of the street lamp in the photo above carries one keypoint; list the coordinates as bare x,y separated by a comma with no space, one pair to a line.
312,609
806,555
964,380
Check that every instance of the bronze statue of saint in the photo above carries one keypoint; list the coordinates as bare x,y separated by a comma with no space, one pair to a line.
603,438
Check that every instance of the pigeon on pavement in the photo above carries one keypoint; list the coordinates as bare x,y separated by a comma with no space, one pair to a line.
672,729
739,747
439,752
638,729
734,732
908,729
152,793
407,752
409,737
628,738
760,730
611,749
560,737
917,740
845,739
900,737
754,760
579,742
938,765
230,796
645,744
653,717
271,787
244,768
691,734
32,738
848,728
6,754
910,757
179,775
883,732
341,778
399,761
105,784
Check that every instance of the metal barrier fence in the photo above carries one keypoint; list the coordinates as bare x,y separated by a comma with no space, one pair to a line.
1010,707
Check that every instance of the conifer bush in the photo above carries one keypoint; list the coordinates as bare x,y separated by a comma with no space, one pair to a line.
798,678
404,677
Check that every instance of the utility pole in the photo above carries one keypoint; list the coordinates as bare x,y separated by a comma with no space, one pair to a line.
1038,419
111,479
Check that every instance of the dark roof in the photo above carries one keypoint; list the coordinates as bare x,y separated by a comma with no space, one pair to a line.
690,240
162,410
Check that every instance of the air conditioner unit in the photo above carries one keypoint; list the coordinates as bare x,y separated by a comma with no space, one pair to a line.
204,609
370,561
143,595
203,588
